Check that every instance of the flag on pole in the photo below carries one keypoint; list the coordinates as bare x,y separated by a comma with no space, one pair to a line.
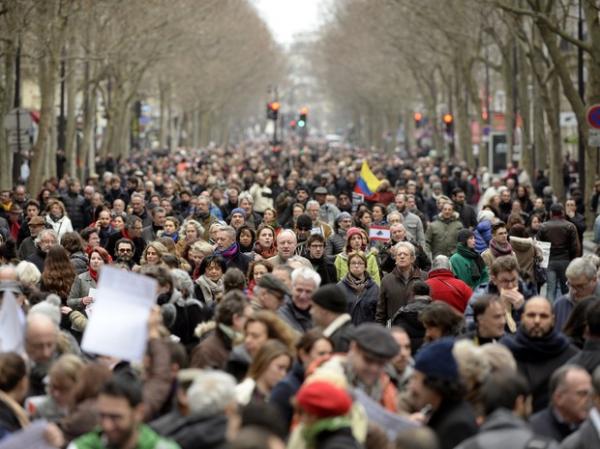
367,183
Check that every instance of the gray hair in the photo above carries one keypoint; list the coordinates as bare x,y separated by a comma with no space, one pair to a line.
440,262
45,232
28,273
229,230
394,214
306,273
211,392
182,281
196,224
407,245
245,196
289,232
581,267
312,203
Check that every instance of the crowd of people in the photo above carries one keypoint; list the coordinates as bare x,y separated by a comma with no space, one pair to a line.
293,312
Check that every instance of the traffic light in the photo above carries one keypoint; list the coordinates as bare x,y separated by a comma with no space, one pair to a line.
448,120
273,110
303,118
293,124
418,118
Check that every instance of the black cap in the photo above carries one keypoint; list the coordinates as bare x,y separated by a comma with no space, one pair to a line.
332,298
271,283
376,340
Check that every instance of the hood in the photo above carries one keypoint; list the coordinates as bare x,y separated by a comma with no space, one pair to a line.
204,328
521,244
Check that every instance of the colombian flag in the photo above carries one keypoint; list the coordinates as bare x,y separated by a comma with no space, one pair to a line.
367,183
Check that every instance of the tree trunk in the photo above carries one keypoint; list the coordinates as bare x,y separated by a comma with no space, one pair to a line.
71,129
7,93
525,109
509,85
163,89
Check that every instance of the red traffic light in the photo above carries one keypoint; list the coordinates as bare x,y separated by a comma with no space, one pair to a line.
448,119
292,123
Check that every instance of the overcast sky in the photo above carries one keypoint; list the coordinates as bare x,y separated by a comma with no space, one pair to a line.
287,17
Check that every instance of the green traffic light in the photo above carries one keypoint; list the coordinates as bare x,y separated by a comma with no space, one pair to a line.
301,123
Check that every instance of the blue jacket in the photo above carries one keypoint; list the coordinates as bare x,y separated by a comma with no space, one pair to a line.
483,235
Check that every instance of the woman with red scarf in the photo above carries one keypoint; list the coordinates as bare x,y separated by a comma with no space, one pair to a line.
265,242
80,298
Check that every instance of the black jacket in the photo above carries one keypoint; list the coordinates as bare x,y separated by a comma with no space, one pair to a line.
545,423
453,422
74,206
191,432
337,439
589,357
326,269
361,307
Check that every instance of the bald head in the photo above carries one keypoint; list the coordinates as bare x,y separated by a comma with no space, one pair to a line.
537,320
8,273
41,338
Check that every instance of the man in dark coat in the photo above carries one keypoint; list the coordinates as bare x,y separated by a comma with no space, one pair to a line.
436,383
570,390
229,249
587,437
538,348
321,263
330,312
466,213
74,204
296,310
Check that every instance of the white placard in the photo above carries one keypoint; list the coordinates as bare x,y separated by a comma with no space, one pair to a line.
12,325
545,247
119,325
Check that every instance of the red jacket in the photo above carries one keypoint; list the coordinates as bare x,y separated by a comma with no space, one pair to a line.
445,287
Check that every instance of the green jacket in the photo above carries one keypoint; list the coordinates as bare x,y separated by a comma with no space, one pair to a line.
441,236
341,266
148,439
463,268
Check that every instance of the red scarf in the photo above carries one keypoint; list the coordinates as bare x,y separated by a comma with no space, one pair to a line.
93,274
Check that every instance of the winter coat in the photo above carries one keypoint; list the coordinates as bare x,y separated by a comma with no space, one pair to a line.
537,359
443,286
26,248
361,307
80,289
503,429
326,269
336,243
395,292
586,437
442,235
340,331
297,319
526,252
79,261
564,305
212,352
193,431
341,266
285,390
337,439
563,236
387,262
74,205
453,422
483,235
414,227
467,215
60,226
589,357
463,268
546,423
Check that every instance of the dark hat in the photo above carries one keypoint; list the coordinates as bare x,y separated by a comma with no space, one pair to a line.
271,283
304,222
320,191
464,235
37,221
436,360
238,210
376,340
323,399
332,298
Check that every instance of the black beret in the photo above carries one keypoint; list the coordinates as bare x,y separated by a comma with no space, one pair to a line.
332,298
376,340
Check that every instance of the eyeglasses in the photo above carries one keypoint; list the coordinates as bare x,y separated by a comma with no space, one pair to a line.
357,264
125,250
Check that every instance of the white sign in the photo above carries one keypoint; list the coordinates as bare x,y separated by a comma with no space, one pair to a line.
18,118
545,247
594,137
119,325
12,325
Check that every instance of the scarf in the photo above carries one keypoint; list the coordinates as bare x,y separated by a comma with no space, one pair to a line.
265,253
229,252
498,250
55,218
93,274
15,408
530,349
210,289
310,433
356,284
471,254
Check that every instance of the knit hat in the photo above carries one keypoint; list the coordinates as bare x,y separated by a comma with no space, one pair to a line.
485,214
343,215
323,399
436,360
49,307
238,210
464,235
331,298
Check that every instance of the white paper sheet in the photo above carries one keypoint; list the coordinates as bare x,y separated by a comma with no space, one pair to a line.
12,325
119,325
545,247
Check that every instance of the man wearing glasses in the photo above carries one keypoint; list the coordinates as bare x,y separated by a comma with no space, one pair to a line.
125,251
321,263
582,283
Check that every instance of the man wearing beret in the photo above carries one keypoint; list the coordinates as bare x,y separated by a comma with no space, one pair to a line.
436,385
371,349
269,293
323,409
329,312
